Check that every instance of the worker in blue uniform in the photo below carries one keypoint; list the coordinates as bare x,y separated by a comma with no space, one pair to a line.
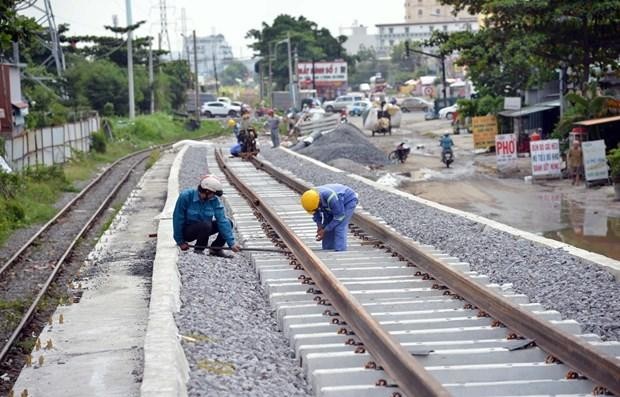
199,214
332,206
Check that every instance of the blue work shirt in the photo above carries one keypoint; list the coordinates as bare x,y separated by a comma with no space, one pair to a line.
333,199
191,209
446,143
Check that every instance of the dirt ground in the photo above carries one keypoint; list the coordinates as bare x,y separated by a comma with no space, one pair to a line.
583,216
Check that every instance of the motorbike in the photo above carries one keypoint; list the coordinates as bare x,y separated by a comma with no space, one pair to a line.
400,154
447,157
343,117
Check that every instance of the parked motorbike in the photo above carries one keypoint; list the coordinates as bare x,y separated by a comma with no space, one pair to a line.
447,157
400,154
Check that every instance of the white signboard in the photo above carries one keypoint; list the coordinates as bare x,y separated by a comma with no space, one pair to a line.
512,103
594,161
323,71
545,158
506,151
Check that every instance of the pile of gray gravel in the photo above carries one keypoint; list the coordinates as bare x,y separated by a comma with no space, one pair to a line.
574,287
345,142
232,342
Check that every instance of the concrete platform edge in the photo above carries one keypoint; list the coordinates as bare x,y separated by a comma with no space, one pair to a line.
166,370
609,264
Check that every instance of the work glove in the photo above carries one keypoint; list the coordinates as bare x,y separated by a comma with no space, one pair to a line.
184,246
320,233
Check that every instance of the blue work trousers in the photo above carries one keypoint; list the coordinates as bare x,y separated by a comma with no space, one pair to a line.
275,137
336,239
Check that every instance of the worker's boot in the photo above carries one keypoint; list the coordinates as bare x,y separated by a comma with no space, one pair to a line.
219,252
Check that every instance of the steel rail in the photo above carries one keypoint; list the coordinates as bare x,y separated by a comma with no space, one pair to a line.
576,353
57,266
64,209
411,376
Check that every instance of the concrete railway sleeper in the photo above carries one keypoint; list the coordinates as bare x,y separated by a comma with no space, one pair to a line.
30,272
391,317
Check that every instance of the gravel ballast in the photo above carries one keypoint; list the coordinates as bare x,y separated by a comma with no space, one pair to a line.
576,288
345,142
233,347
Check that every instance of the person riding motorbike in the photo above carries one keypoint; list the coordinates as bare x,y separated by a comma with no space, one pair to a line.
343,116
402,151
446,144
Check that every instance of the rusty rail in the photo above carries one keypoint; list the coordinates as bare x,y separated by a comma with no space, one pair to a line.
576,353
411,376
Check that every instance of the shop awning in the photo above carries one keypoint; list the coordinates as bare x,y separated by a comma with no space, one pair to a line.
524,111
604,120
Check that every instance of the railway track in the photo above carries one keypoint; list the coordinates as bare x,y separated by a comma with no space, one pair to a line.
391,317
27,275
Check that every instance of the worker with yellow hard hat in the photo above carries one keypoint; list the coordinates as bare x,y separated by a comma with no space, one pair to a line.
332,207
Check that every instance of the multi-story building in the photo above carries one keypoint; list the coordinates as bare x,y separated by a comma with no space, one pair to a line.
358,38
212,52
422,17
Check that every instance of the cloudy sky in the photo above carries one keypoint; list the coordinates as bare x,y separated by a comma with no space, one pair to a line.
231,18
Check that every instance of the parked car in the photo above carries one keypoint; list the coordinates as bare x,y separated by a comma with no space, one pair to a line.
357,108
341,102
222,109
224,99
447,112
415,103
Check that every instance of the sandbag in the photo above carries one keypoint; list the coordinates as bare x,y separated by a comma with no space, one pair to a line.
396,119
371,120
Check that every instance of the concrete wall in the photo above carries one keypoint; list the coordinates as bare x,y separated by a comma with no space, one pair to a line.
48,146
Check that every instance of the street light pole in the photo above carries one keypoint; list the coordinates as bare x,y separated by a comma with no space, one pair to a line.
290,71
197,108
132,110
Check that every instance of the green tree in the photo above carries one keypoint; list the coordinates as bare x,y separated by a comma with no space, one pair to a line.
582,107
577,34
311,43
14,27
98,82
235,70
403,66
178,79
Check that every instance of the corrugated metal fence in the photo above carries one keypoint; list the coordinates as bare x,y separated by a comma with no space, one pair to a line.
51,145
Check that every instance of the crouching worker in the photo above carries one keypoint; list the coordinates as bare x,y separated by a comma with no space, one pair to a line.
199,214
332,207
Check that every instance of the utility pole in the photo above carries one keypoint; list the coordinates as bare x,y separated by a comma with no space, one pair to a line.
132,111
217,87
151,78
270,77
196,84
290,70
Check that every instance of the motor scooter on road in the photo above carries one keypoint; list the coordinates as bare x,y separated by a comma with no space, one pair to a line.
400,154
343,116
447,157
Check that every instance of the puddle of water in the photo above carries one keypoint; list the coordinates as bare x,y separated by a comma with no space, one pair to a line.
589,228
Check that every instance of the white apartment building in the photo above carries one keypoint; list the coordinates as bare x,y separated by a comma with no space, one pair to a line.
358,38
213,53
422,17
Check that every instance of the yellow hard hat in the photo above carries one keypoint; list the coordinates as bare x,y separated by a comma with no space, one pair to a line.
231,123
310,200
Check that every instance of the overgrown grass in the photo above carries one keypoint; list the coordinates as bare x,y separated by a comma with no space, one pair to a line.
153,157
28,197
